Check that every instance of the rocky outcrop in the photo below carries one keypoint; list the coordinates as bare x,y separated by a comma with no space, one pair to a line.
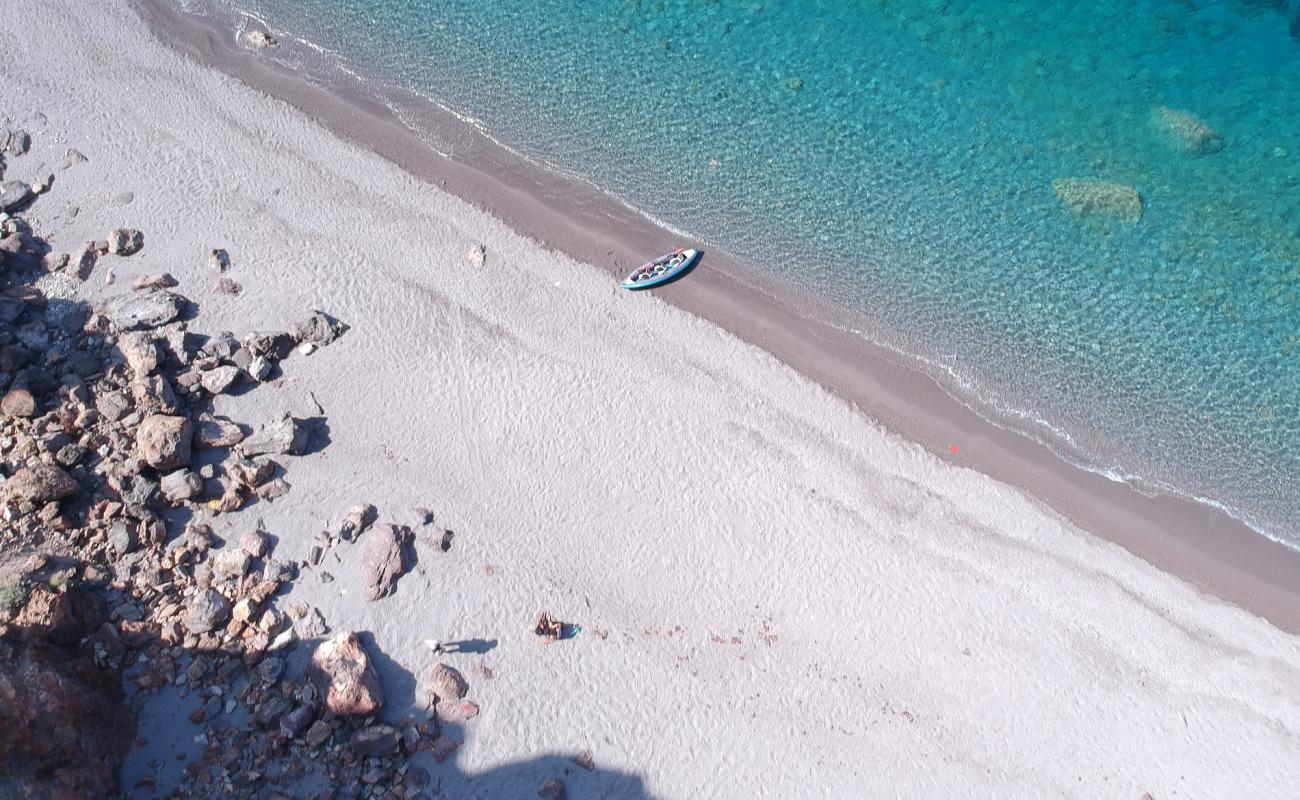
1090,197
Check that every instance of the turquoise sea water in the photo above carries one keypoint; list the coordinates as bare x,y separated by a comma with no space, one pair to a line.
898,156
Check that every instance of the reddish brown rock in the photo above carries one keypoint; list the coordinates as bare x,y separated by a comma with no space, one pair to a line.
446,683
456,711
18,402
382,560
552,789
442,748
342,672
40,484
164,442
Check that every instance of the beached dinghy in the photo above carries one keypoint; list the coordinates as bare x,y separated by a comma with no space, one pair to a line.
662,270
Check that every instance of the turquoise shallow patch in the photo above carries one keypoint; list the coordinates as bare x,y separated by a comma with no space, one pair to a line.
899,157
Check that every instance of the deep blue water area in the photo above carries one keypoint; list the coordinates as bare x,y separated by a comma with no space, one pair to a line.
1085,216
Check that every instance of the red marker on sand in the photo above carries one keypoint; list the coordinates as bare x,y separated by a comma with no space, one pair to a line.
952,448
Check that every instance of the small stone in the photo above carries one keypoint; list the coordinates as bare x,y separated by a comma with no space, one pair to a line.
585,760
254,543
552,789
18,143
122,539
208,609
218,432
40,484
376,740
442,748
18,402
318,329
219,379
477,256
232,562
161,280
140,351
125,241
225,285
180,486
259,369
260,39
164,442
72,157
341,670
219,260
296,721
13,195
245,611
319,732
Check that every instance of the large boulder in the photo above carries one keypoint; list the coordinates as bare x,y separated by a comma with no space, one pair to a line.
1186,131
342,672
1090,197
382,560
140,310
164,441
41,484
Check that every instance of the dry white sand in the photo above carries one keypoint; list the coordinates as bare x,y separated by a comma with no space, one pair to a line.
778,598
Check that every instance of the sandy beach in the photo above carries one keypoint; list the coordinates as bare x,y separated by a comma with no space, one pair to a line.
779,595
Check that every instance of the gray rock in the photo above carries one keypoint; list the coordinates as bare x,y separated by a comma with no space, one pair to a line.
255,543
139,491
310,625
219,379
377,740
1186,131
218,432
319,329
181,485
125,241
1089,197
13,194
232,562
207,610
219,260
140,351
144,310
18,143
259,369
286,436
40,484
164,442
295,722
122,538
382,560
73,157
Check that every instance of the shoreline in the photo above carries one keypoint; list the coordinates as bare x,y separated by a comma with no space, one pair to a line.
1202,545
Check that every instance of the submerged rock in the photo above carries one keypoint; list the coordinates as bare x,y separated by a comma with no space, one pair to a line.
1091,197
1186,131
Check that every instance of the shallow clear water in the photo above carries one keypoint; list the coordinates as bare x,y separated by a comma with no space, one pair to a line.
898,156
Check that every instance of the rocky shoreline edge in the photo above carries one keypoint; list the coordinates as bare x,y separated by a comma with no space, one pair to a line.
113,583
